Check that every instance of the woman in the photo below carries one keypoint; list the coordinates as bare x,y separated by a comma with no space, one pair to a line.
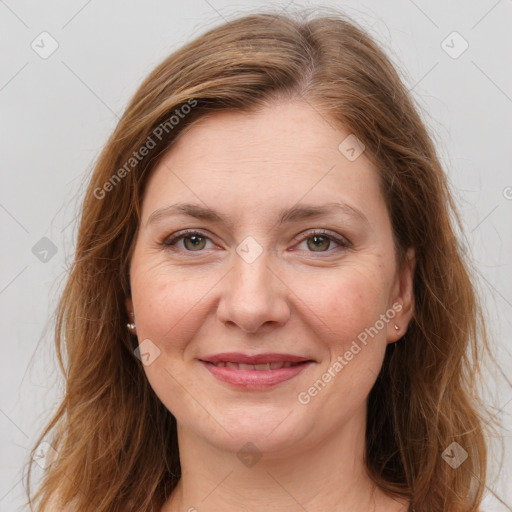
268,308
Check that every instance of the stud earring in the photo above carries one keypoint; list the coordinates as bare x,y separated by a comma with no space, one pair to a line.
131,326
397,328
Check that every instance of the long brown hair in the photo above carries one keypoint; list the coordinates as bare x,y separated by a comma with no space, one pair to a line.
116,442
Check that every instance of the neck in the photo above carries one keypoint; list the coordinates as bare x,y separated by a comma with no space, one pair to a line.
329,475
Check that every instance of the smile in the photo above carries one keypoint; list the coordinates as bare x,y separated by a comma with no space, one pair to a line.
255,372
259,367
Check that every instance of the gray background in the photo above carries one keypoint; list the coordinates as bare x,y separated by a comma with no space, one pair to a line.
58,111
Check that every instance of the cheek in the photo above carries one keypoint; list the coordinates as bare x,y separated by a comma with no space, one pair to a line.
166,308
348,311
169,312
346,304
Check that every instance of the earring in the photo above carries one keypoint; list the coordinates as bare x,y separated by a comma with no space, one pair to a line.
397,328
131,326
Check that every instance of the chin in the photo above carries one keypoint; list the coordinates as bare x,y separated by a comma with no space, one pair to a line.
274,432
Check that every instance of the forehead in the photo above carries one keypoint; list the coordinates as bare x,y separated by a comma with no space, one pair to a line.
283,153
291,131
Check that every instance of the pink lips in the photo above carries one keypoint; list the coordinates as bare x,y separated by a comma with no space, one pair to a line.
269,369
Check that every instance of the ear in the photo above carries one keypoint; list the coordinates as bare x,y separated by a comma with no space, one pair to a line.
402,298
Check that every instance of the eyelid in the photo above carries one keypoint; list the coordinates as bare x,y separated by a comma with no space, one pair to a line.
183,234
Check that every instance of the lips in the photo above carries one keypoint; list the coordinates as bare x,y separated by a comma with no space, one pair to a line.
260,366
255,359
257,371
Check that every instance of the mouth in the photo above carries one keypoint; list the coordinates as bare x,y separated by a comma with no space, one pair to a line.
259,367
255,371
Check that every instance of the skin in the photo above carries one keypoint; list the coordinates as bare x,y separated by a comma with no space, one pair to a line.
294,298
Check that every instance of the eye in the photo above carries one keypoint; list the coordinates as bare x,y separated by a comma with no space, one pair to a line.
321,241
193,241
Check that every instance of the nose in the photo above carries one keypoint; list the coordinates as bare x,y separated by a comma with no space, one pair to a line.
253,296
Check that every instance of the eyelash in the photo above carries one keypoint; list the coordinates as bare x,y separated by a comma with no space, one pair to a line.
343,243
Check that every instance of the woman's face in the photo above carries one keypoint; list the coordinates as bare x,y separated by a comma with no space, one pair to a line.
262,278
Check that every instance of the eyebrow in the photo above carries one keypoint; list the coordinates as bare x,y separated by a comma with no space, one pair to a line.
293,214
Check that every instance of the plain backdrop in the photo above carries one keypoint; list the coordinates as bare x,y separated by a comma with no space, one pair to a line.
67,72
